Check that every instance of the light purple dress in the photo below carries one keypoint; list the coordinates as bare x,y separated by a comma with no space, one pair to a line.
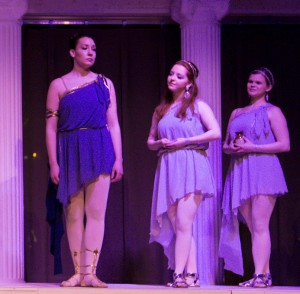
178,173
247,176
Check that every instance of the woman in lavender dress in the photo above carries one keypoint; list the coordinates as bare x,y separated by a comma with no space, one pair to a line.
84,148
182,126
255,178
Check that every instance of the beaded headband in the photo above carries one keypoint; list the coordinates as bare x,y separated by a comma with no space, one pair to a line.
271,82
192,67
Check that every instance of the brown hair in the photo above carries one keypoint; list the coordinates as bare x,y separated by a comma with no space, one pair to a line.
192,74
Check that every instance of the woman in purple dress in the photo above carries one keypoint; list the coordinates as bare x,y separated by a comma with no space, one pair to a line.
83,141
255,178
182,126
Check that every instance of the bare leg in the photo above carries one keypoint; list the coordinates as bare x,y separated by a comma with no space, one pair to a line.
74,215
95,208
257,212
262,208
186,211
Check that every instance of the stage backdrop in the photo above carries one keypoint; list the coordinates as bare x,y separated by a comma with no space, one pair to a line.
137,59
244,48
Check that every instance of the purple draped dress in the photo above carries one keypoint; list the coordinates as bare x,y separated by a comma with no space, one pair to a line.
178,174
248,175
85,148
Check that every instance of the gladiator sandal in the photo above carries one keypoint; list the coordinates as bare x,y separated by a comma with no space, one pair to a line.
192,279
178,281
248,283
75,280
260,281
90,279
268,279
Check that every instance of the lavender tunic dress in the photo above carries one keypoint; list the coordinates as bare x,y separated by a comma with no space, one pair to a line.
248,175
85,148
178,174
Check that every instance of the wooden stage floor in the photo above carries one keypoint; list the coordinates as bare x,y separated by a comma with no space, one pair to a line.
43,288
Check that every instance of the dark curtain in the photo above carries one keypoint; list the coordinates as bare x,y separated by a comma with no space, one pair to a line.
244,48
137,59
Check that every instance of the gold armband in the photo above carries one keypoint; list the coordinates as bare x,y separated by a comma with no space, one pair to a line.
51,113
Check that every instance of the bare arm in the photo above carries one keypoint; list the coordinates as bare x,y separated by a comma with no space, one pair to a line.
152,142
228,146
52,104
114,127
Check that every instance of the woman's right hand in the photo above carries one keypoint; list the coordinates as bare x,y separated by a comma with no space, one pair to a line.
230,148
164,142
54,173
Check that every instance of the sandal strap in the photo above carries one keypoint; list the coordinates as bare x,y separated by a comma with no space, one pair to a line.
179,281
259,281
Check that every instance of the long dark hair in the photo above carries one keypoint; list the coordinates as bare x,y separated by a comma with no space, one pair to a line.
192,74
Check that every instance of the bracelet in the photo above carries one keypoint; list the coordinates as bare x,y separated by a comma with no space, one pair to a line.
255,148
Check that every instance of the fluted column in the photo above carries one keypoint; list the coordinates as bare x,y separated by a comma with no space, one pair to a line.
11,144
200,33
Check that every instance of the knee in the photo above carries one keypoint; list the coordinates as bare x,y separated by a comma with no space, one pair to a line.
75,216
183,225
95,213
260,227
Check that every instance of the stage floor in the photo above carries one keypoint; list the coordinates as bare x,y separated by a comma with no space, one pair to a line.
42,288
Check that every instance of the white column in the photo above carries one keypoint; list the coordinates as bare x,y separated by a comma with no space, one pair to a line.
11,144
200,31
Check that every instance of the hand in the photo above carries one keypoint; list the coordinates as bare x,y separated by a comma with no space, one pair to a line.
117,172
245,147
177,143
54,173
165,142
230,148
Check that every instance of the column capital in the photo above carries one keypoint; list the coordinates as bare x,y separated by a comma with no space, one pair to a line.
198,11
12,10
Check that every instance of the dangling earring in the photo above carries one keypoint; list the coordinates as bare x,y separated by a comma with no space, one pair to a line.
267,97
187,93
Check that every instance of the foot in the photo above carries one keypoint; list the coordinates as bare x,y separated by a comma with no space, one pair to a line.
259,281
248,283
91,280
192,279
268,279
178,281
74,281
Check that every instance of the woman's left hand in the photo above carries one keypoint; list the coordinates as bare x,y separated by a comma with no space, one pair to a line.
117,172
177,143
246,147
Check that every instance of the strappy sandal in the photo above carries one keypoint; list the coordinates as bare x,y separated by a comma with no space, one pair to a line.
178,281
259,281
192,279
90,279
248,283
268,279
75,280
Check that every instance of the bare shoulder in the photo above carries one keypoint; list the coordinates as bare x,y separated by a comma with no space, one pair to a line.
201,104
57,86
274,111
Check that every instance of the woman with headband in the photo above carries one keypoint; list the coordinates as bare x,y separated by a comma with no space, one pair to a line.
182,127
255,179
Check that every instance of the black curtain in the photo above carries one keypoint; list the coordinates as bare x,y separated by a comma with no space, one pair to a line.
276,46
137,59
